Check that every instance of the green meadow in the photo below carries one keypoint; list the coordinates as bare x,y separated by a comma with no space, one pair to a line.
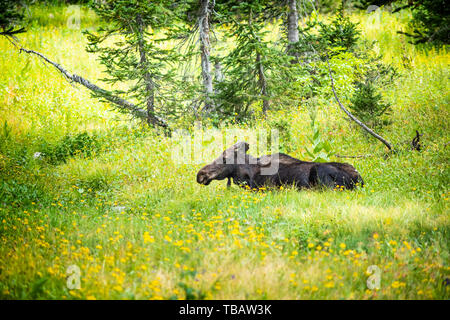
133,222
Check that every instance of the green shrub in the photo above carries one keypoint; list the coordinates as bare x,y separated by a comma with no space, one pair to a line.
367,104
283,127
341,32
321,150
17,192
80,144
93,184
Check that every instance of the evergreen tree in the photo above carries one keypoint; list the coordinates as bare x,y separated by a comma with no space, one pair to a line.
341,32
431,22
130,50
256,71
11,18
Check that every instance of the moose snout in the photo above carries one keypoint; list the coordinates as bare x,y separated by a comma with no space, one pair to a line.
202,178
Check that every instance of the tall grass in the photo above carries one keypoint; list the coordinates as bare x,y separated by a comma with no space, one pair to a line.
138,225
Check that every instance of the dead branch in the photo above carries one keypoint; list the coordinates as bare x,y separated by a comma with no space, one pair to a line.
355,157
11,32
362,125
119,102
415,143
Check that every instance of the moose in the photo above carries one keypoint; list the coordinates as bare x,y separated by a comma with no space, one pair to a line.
276,170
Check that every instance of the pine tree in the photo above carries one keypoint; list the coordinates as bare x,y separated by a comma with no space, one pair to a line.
11,18
135,59
366,103
341,32
256,71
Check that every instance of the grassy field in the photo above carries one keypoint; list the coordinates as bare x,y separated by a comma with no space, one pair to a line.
138,225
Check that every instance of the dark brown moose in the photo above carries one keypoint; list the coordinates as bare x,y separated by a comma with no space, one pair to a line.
276,170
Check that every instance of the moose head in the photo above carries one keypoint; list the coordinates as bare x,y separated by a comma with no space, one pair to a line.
225,165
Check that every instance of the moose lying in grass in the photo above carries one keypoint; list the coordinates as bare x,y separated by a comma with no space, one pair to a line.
276,170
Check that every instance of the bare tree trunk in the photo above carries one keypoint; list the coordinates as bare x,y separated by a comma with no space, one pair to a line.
262,83
205,46
149,85
292,28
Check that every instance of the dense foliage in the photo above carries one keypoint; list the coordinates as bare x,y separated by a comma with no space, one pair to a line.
430,18
11,17
133,58
83,186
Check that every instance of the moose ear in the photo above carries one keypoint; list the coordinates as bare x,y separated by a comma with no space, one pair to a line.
241,146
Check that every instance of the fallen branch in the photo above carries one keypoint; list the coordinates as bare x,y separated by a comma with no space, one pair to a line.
362,125
354,157
119,102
